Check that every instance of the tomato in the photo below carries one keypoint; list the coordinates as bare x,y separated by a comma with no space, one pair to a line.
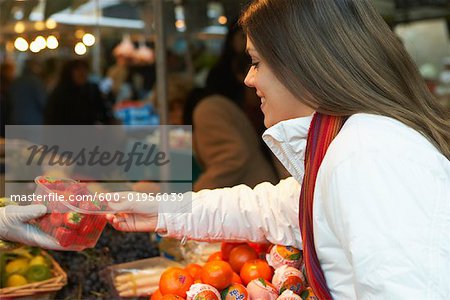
194,270
240,255
218,273
261,249
215,256
255,269
226,249
175,281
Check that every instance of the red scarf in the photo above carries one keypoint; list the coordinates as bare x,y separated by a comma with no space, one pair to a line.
322,131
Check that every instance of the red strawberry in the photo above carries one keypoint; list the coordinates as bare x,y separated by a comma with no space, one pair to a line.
65,237
72,220
56,219
45,225
90,205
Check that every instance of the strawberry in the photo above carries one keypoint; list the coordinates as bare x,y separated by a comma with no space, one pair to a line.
56,219
65,237
90,205
45,225
72,220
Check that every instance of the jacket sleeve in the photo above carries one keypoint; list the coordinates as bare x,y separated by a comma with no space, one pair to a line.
220,147
266,213
390,217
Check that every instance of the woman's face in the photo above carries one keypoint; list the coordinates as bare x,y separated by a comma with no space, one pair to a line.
277,102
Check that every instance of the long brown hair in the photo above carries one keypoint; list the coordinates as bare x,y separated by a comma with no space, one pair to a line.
340,57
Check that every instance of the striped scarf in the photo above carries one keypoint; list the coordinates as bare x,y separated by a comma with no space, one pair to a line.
322,131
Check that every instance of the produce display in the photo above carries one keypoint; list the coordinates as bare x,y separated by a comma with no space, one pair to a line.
24,265
238,272
74,217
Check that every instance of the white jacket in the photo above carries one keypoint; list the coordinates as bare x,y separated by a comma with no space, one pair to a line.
381,209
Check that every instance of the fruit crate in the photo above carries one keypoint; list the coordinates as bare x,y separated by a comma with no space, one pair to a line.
55,283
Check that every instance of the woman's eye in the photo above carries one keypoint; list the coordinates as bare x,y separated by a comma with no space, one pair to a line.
254,64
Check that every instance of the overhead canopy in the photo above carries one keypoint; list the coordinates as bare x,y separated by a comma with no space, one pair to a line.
128,14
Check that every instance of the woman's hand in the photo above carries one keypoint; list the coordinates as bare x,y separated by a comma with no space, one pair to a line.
133,215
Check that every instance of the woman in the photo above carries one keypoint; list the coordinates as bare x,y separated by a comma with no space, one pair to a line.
374,219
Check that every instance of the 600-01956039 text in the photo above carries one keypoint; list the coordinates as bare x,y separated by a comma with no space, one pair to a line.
145,157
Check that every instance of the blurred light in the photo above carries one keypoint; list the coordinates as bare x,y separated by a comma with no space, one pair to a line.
19,27
179,12
180,25
88,39
39,25
34,47
80,48
40,42
18,13
79,33
52,42
9,46
21,44
51,24
214,10
222,20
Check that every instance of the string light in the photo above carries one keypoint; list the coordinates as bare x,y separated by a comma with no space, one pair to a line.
39,25
21,44
88,39
19,27
51,24
40,42
34,47
52,42
80,48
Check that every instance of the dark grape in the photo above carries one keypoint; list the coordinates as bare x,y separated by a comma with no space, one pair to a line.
82,268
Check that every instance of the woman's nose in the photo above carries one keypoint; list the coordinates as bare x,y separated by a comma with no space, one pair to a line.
248,81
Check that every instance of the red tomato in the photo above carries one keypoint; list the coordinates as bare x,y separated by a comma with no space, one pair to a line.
240,255
226,249
215,256
256,269
261,249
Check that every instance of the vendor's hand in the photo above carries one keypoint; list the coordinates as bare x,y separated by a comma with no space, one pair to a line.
14,227
133,215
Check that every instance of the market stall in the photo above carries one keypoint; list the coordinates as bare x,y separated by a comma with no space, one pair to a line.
102,262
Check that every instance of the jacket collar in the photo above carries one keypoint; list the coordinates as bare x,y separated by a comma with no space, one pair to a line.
287,140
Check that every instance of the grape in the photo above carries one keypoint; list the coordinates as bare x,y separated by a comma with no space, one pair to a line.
113,247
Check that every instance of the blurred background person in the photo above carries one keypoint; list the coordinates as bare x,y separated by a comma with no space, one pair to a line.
75,100
226,143
7,70
28,96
